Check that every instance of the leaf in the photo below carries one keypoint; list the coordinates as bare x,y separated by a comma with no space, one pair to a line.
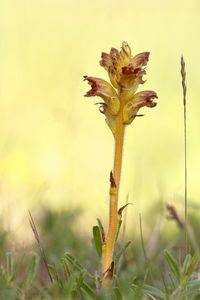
65,268
190,270
87,289
79,280
32,272
74,261
118,229
150,290
9,265
97,240
55,275
122,251
186,263
45,293
173,265
76,264
117,293
193,264
121,209
194,284
103,236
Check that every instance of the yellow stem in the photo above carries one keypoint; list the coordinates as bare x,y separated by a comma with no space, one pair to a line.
108,247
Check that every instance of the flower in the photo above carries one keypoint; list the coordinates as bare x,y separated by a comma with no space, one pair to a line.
124,70
103,89
139,100
126,74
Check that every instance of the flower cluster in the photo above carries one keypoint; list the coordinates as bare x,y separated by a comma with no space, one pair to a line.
126,74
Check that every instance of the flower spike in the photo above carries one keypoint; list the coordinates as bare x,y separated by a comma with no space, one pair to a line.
126,74
121,103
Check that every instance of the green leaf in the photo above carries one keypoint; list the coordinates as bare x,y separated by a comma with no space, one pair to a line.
79,280
194,284
119,254
87,289
45,293
65,268
150,290
117,293
74,261
32,271
193,265
173,265
97,240
55,275
186,263
118,229
102,231
9,265
190,270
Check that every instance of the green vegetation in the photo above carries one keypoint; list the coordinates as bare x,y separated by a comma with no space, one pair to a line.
141,270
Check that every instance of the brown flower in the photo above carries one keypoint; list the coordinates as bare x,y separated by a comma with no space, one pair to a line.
139,100
126,74
103,89
124,70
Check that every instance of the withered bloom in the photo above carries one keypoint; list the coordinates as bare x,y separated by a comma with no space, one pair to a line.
126,74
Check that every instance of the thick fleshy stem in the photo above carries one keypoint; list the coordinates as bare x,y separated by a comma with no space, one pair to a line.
108,247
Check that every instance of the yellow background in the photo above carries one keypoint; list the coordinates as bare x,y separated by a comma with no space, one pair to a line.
55,147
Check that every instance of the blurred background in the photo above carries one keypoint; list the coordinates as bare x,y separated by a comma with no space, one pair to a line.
56,150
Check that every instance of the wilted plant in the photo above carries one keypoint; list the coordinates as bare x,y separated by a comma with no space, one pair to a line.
120,106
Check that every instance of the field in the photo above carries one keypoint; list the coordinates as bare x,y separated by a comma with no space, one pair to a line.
93,209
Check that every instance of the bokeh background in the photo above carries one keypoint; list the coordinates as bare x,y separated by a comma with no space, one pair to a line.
55,148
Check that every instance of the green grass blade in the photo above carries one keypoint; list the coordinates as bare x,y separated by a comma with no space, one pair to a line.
9,265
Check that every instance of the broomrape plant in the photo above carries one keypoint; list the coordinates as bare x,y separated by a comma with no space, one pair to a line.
120,106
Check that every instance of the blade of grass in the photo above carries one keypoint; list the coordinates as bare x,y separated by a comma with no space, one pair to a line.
142,239
43,255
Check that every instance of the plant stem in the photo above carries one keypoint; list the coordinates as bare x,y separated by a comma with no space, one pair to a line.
183,75
108,247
